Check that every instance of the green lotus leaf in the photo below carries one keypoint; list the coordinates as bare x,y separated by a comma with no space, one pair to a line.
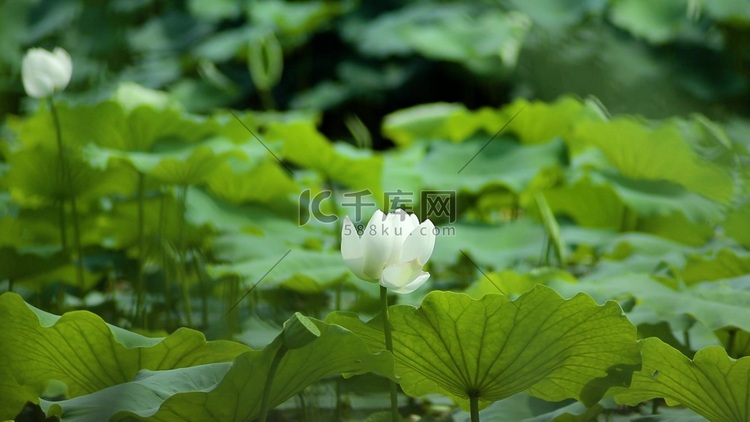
657,154
229,392
301,270
613,202
487,40
84,353
306,147
658,24
492,246
538,122
502,161
434,121
724,263
513,284
241,185
716,305
134,120
35,178
178,164
493,348
711,384
737,224
524,407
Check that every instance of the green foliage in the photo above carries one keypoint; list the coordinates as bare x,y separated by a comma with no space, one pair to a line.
493,348
87,355
712,384
610,132
225,391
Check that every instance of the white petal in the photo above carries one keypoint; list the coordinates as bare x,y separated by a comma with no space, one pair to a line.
403,277
352,248
414,285
64,67
377,244
38,85
350,241
36,80
420,243
414,222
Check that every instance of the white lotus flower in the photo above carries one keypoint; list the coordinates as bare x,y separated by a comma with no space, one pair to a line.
44,72
392,250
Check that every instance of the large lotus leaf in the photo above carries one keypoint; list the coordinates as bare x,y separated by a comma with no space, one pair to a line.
298,269
661,198
616,203
712,384
481,38
401,170
643,153
537,122
178,164
715,305
265,182
35,268
534,122
659,24
553,15
728,10
724,263
134,120
677,227
80,350
491,246
141,396
588,205
523,407
223,392
437,121
35,177
114,227
308,148
494,348
13,395
475,164
513,284
204,209
296,20
17,263
737,224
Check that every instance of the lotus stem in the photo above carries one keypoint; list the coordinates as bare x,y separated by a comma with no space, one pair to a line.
140,308
389,347
474,406
67,181
269,382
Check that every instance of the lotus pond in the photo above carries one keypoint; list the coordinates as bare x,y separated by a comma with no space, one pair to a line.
428,211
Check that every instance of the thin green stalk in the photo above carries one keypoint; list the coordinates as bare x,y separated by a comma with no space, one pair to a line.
140,307
61,209
182,254
389,347
169,306
267,100
68,186
474,406
204,291
269,382
339,403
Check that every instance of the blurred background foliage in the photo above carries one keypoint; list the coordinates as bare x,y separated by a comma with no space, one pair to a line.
365,59
199,133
